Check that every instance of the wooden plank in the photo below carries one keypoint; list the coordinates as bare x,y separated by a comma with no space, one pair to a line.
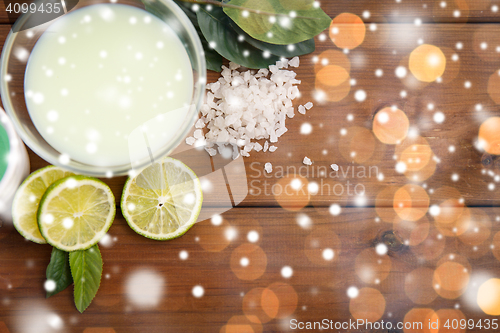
402,11
388,48
165,282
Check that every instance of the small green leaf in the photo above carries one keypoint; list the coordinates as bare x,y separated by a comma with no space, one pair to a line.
279,21
86,269
59,271
187,9
215,26
286,51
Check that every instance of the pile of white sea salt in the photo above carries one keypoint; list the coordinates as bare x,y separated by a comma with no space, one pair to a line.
245,106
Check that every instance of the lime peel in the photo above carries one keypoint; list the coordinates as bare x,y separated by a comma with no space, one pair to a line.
162,204
27,199
76,212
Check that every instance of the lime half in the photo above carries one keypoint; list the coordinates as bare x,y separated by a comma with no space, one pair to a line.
27,198
163,201
76,212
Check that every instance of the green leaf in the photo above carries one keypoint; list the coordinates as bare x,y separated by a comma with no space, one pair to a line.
213,59
59,271
86,268
287,51
215,26
279,21
186,8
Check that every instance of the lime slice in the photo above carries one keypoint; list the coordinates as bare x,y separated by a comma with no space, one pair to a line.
163,201
27,198
76,212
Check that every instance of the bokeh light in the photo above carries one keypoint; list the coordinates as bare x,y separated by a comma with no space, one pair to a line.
488,297
322,246
417,156
384,204
332,75
252,307
451,276
478,227
418,286
145,288
347,31
333,93
412,232
332,57
494,87
291,192
241,324
391,125
431,247
495,248
212,237
279,300
406,76
417,321
411,202
414,152
368,305
453,217
489,134
372,267
427,63
451,316
248,261
358,145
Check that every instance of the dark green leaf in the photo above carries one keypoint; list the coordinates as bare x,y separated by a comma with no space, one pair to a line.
215,26
86,269
287,51
186,8
213,59
306,22
59,271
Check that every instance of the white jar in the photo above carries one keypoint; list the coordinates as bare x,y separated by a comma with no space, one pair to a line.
17,169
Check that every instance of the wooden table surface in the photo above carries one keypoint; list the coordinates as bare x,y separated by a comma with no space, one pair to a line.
147,287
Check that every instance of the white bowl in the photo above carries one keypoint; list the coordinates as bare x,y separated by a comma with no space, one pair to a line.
17,169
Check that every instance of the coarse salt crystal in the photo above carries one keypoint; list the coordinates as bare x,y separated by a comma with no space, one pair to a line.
308,105
198,134
199,123
295,62
268,167
334,167
307,161
302,109
257,147
243,106
211,151
190,140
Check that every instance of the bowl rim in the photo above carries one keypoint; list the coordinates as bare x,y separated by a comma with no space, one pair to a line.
118,170
16,149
